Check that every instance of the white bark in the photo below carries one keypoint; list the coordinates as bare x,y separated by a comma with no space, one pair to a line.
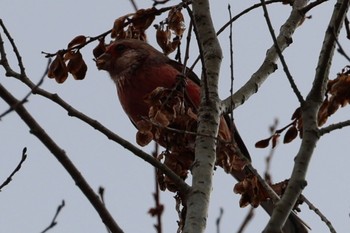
209,115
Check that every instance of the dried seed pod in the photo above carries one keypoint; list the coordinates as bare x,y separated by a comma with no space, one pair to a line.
58,69
76,66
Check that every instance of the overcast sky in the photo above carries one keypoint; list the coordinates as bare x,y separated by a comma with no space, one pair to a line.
30,201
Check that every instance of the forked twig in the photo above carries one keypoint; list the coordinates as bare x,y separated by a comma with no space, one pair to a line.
53,221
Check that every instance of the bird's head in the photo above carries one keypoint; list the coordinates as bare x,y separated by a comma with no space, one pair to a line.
124,57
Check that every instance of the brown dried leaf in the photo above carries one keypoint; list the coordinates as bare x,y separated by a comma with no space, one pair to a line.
263,143
144,138
143,18
290,135
338,95
58,69
118,28
78,40
176,22
76,66
251,190
323,113
100,48
296,114
144,126
163,38
161,119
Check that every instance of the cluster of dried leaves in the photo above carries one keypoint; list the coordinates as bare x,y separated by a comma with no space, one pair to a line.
166,117
337,95
69,61
254,193
174,24
173,124
134,25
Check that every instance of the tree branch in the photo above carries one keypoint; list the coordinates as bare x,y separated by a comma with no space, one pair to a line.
62,157
284,39
281,57
309,116
333,127
208,118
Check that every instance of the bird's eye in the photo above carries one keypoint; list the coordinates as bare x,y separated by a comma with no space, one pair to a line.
120,48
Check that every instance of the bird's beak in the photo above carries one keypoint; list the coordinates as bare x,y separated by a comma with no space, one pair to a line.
103,61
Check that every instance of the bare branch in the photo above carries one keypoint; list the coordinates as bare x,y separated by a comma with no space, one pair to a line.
269,64
233,19
218,220
53,221
246,220
312,5
201,56
340,48
319,213
231,61
62,157
183,187
309,117
25,98
18,56
9,179
281,57
333,127
133,3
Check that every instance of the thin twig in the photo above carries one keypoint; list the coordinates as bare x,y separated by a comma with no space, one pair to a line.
269,157
312,5
201,56
341,50
158,2
187,50
62,157
25,98
268,66
15,49
53,221
218,220
347,27
319,213
279,52
101,192
246,220
133,3
233,20
158,206
9,179
231,62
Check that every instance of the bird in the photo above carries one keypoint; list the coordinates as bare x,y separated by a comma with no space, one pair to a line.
143,75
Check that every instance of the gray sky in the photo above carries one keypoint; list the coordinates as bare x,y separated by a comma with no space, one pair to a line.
30,201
